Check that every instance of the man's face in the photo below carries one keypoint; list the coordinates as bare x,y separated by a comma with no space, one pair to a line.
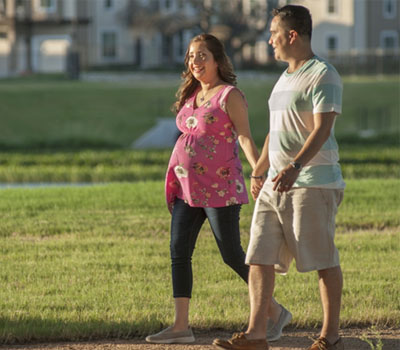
279,39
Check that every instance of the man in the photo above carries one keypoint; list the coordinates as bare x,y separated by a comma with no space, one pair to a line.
294,216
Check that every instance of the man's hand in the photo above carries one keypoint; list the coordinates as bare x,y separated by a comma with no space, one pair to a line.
255,187
323,124
284,181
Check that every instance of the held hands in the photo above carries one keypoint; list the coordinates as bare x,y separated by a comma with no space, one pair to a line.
255,186
284,181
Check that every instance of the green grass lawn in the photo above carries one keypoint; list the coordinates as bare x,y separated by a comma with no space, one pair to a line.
40,113
367,161
93,262
77,114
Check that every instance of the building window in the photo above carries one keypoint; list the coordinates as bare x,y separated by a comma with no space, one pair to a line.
108,4
332,7
389,8
109,44
389,40
3,8
253,8
181,46
3,35
166,46
47,6
332,43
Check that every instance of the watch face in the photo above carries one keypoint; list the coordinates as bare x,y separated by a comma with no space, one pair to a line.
295,165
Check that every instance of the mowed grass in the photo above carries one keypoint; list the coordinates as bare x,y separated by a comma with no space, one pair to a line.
368,104
40,113
357,161
93,262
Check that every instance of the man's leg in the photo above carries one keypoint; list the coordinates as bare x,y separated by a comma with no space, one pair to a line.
261,287
330,287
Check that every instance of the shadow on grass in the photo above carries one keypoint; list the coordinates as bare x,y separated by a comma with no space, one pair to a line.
37,330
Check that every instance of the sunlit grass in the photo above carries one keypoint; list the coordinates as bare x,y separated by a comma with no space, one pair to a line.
76,115
93,262
368,161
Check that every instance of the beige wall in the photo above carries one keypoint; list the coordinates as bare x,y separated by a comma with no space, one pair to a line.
319,11
358,24
109,20
325,24
378,23
69,9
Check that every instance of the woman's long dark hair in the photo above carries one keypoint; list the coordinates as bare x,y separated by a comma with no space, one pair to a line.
190,83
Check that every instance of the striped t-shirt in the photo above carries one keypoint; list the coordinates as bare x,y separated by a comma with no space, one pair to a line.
314,88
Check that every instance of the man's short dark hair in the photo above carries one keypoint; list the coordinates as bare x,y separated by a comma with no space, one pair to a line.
296,18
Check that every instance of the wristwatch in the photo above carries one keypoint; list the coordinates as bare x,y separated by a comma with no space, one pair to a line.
296,165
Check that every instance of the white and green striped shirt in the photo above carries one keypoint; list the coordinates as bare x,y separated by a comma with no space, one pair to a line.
314,88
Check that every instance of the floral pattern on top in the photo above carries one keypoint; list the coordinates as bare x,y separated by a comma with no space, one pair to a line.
204,169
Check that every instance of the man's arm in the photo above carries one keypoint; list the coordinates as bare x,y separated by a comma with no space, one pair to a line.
259,170
323,123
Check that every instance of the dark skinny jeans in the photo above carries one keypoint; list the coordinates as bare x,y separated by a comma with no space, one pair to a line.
185,227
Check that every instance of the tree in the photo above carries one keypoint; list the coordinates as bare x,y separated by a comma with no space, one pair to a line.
147,16
236,22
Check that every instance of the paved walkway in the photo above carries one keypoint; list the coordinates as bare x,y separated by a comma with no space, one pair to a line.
292,340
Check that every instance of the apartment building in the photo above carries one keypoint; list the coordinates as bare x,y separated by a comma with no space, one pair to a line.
37,35
110,39
160,39
357,26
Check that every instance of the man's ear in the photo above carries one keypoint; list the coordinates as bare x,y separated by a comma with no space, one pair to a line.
293,35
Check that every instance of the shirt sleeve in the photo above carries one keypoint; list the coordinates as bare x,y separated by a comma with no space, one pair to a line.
327,93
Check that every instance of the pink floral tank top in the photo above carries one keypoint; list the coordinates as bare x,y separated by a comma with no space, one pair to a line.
204,169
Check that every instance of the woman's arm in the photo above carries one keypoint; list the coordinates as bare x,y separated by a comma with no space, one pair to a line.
237,111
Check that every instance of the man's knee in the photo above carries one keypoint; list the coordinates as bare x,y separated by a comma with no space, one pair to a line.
262,269
331,271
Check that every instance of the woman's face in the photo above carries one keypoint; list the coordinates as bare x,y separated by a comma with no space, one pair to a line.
201,62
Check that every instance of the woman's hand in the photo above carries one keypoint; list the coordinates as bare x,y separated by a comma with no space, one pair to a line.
255,187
